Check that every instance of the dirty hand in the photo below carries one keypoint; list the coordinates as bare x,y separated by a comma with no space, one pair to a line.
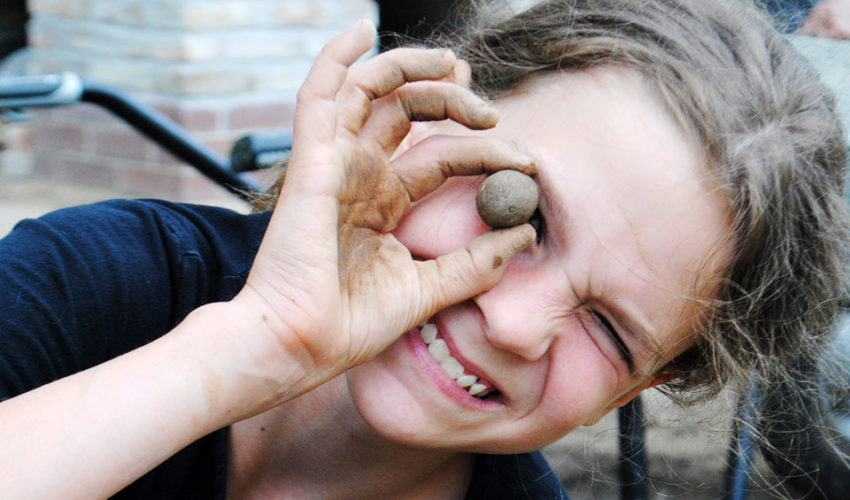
333,285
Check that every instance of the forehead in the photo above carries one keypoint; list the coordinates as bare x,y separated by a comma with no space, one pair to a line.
630,192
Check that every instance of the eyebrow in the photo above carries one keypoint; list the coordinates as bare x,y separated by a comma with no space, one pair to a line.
639,332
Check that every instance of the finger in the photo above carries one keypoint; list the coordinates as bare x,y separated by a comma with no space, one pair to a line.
315,113
425,101
461,75
385,73
426,165
314,163
472,270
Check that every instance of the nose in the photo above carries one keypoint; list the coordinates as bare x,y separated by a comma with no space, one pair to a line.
519,311
518,317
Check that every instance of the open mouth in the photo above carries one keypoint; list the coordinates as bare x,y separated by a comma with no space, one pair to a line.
439,350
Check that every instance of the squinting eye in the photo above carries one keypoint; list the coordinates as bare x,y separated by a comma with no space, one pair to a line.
538,224
603,321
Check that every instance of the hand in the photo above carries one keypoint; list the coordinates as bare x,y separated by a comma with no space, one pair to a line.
829,19
332,284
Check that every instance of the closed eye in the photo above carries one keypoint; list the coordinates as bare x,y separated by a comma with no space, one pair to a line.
612,332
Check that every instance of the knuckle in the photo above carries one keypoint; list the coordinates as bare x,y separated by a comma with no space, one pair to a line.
303,96
326,50
476,265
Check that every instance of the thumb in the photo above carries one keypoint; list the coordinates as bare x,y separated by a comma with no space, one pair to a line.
469,271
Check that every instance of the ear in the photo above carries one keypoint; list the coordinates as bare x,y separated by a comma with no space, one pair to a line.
628,396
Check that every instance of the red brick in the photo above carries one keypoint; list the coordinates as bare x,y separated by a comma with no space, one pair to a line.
170,110
199,80
85,112
193,119
140,182
68,168
199,119
121,143
220,144
58,135
195,185
163,158
260,116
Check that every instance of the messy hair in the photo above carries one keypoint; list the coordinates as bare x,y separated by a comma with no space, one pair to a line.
770,136
771,139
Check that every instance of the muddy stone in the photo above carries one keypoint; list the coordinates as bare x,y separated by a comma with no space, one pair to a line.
507,198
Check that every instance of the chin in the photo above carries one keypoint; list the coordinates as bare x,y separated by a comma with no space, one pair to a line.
385,404
396,415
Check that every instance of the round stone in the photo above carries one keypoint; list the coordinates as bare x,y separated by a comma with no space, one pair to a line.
507,198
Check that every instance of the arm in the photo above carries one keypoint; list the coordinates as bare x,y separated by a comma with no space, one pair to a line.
92,433
317,300
83,285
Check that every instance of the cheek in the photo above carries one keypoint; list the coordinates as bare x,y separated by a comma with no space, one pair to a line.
443,221
581,383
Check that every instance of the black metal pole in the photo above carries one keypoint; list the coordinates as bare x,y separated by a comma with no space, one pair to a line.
632,466
168,134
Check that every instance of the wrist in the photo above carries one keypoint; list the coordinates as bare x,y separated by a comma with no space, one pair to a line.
244,363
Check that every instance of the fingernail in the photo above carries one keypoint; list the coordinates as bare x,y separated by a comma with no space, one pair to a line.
528,160
532,237
524,162
488,111
522,235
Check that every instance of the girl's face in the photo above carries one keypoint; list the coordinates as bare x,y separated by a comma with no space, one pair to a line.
629,236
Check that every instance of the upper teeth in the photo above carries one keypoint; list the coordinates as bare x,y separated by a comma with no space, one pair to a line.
440,351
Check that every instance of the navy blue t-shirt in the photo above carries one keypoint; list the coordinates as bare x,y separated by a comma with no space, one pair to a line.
86,284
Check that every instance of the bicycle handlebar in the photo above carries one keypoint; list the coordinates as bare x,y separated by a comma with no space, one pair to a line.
65,88
39,90
260,150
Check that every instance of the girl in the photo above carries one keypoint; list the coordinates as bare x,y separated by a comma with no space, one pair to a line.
371,337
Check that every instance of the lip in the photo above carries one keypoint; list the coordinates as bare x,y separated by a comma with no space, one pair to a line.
453,350
435,373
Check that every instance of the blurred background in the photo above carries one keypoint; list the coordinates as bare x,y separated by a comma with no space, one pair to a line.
225,68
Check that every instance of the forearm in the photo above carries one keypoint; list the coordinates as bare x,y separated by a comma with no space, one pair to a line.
91,434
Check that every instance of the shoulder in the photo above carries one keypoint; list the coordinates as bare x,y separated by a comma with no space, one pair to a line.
113,219
116,245
84,284
122,232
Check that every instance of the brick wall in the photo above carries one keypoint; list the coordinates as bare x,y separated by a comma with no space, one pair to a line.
220,68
